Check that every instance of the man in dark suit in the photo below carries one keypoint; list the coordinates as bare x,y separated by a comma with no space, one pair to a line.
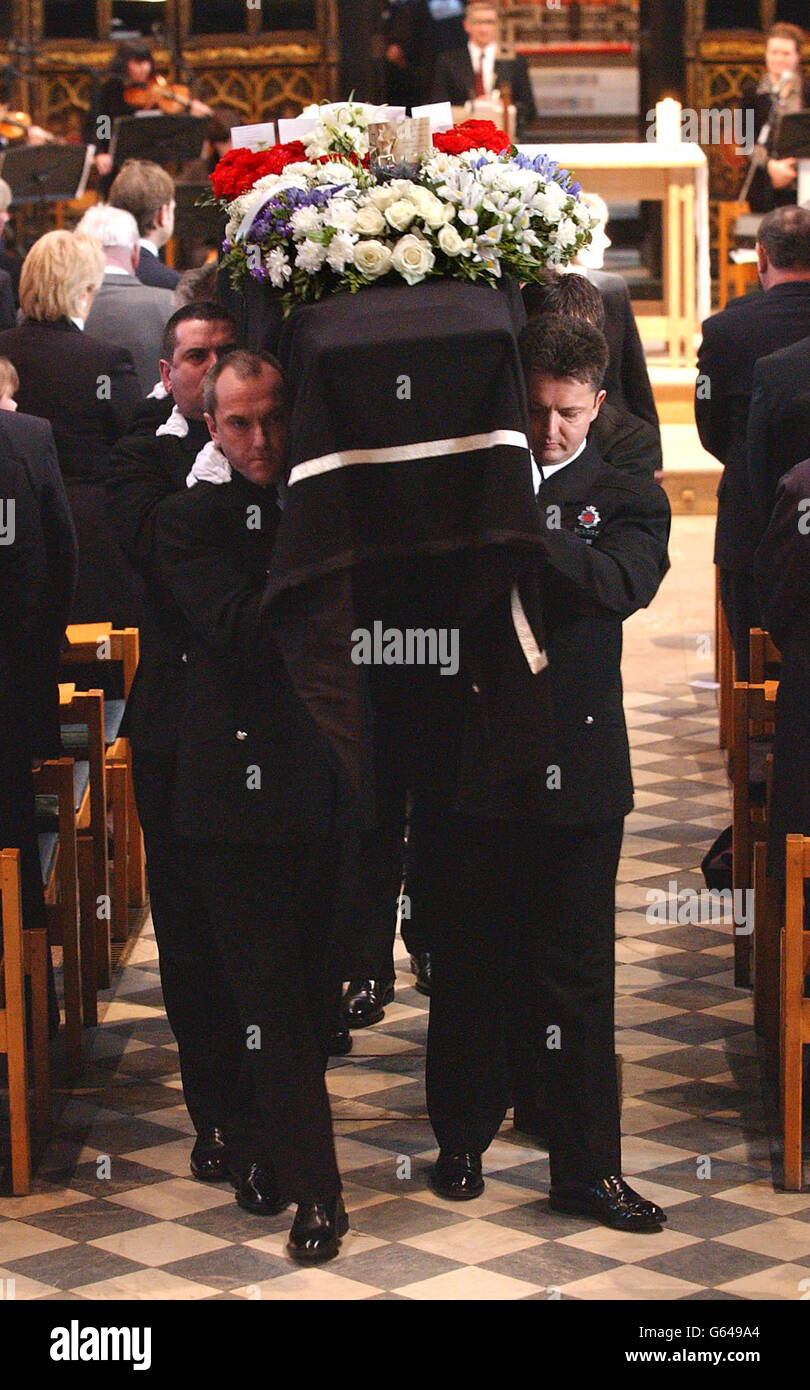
778,434
782,568
147,191
522,927
146,467
256,796
623,438
462,74
733,341
37,577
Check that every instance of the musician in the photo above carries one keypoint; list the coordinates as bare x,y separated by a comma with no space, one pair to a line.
133,68
782,90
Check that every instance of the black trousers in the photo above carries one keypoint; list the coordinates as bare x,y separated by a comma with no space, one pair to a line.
198,1002
521,926
267,915
740,600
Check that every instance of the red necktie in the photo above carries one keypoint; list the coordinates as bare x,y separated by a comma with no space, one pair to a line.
480,90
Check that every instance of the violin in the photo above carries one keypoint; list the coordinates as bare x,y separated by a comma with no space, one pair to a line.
18,126
159,95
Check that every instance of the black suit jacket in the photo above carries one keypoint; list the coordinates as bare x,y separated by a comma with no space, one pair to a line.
778,434
152,271
782,568
733,342
606,536
13,265
39,577
627,381
8,306
145,469
251,766
454,81
625,442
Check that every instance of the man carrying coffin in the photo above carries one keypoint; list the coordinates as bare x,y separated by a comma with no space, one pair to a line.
519,895
256,798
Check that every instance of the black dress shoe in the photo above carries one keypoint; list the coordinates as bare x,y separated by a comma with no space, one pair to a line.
317,1231
257,1190
364,1001
423,970
457,1177
340,1040
209,1157
611,1201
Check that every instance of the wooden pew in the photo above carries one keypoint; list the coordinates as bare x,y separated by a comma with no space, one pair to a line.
12,1021
754,709
795,1023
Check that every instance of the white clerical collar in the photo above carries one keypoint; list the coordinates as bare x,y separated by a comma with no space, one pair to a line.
542,472
147,245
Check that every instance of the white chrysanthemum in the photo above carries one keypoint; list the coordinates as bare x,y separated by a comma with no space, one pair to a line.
278,267
342,214
565,234
310,256
305,220
340,252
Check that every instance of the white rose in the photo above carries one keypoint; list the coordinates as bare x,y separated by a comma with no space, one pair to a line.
412,258
372,259
383,196
450,241
400,215
369,221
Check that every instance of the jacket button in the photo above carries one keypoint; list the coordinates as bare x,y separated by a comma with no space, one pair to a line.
589,719
240,733
184,657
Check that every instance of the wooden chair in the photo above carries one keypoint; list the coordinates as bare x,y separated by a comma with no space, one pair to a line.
731,277
87,709
12,1021
765,658
754,708
767,929
795,1024
55,782
724,668
92,643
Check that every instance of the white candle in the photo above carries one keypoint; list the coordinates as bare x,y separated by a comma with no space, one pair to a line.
668,122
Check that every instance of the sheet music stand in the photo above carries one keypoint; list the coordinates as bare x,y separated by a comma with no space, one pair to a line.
163,139
46,173
793,142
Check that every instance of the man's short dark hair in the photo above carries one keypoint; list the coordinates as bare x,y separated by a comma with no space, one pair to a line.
784,236
204,311
247,366
556,347
569,296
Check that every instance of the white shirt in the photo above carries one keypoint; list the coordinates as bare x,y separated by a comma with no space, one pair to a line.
489,54
146,245
117,270
549,469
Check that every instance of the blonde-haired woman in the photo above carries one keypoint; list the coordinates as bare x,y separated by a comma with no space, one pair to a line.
86,389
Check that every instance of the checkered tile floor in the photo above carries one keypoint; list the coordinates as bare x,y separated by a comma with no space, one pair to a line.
116,1215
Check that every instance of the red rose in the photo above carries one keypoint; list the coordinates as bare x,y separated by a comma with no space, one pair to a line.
472,135
238,170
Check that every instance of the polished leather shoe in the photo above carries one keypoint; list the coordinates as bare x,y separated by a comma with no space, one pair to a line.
423,970
209,1157
364,1001
257,1190
317,1231
457,1177
611,1201
340,1041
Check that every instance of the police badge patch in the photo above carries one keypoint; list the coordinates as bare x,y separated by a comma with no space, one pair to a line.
588,523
